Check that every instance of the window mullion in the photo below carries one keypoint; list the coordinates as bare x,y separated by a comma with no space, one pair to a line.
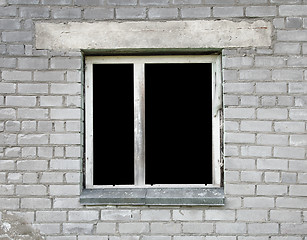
139,124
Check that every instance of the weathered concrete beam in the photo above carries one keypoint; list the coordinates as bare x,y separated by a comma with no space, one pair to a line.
145,34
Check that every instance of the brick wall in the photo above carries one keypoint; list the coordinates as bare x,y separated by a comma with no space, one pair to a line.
265,128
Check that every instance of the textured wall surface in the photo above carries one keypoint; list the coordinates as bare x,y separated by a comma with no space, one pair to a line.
265,128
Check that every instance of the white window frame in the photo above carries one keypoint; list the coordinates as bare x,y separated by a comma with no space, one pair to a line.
139,114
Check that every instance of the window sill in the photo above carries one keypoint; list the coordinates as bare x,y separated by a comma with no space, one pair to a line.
154,196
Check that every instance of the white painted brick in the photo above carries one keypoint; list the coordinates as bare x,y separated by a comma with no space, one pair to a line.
7,88
242,164
240,189
295,127
70,203
241,113
9,203
272,139
32,165
65,88
239,138
298,190
254,74
67,113
32,139
272,164
256,151
291,202
51,177
83,216
65,164
251,176
293,228
68,138
33,88
119,215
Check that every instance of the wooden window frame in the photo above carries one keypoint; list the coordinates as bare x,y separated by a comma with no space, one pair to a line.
139,115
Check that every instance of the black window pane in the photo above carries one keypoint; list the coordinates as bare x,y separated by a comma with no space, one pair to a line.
113,124
178,123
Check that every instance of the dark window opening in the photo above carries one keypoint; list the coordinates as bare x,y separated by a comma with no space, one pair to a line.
113,124
178,124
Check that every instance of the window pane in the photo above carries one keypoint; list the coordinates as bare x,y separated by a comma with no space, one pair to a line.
178,123
113,124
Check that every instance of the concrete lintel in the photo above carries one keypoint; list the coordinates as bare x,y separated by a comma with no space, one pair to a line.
154,196
156,35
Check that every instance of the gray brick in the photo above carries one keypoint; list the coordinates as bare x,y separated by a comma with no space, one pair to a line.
294,22
31,190
260,11
9,203
289,152
298,140
228,11
77,228
23,1
163,13
36,203
292,10
271,88
251,176
252,215
187,215
239,138
272,113
269,62
231,228
65,138
258,202
99,13
272,139
216,215
16,75
65,63
293,228
272,164
7,88
287,48
255,74
263,228
66,13
33,63
7,113
8,11
120,2
291,35
292,127
32,88
64,190
70,203
49,76
119,215
51,101
32,139
256,151
300,87
195,12
65,88
155,215
67,113
9,24
271,190
155,2
285,216
21,101
106,228
7,62
83,216
166,228
197,227
258,126
298,114
241,113
34,12
57,2
239,88
297,61
220,2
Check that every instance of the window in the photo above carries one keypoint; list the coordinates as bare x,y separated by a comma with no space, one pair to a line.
152,121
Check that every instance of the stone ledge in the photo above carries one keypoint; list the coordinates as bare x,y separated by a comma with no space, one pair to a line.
154,196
